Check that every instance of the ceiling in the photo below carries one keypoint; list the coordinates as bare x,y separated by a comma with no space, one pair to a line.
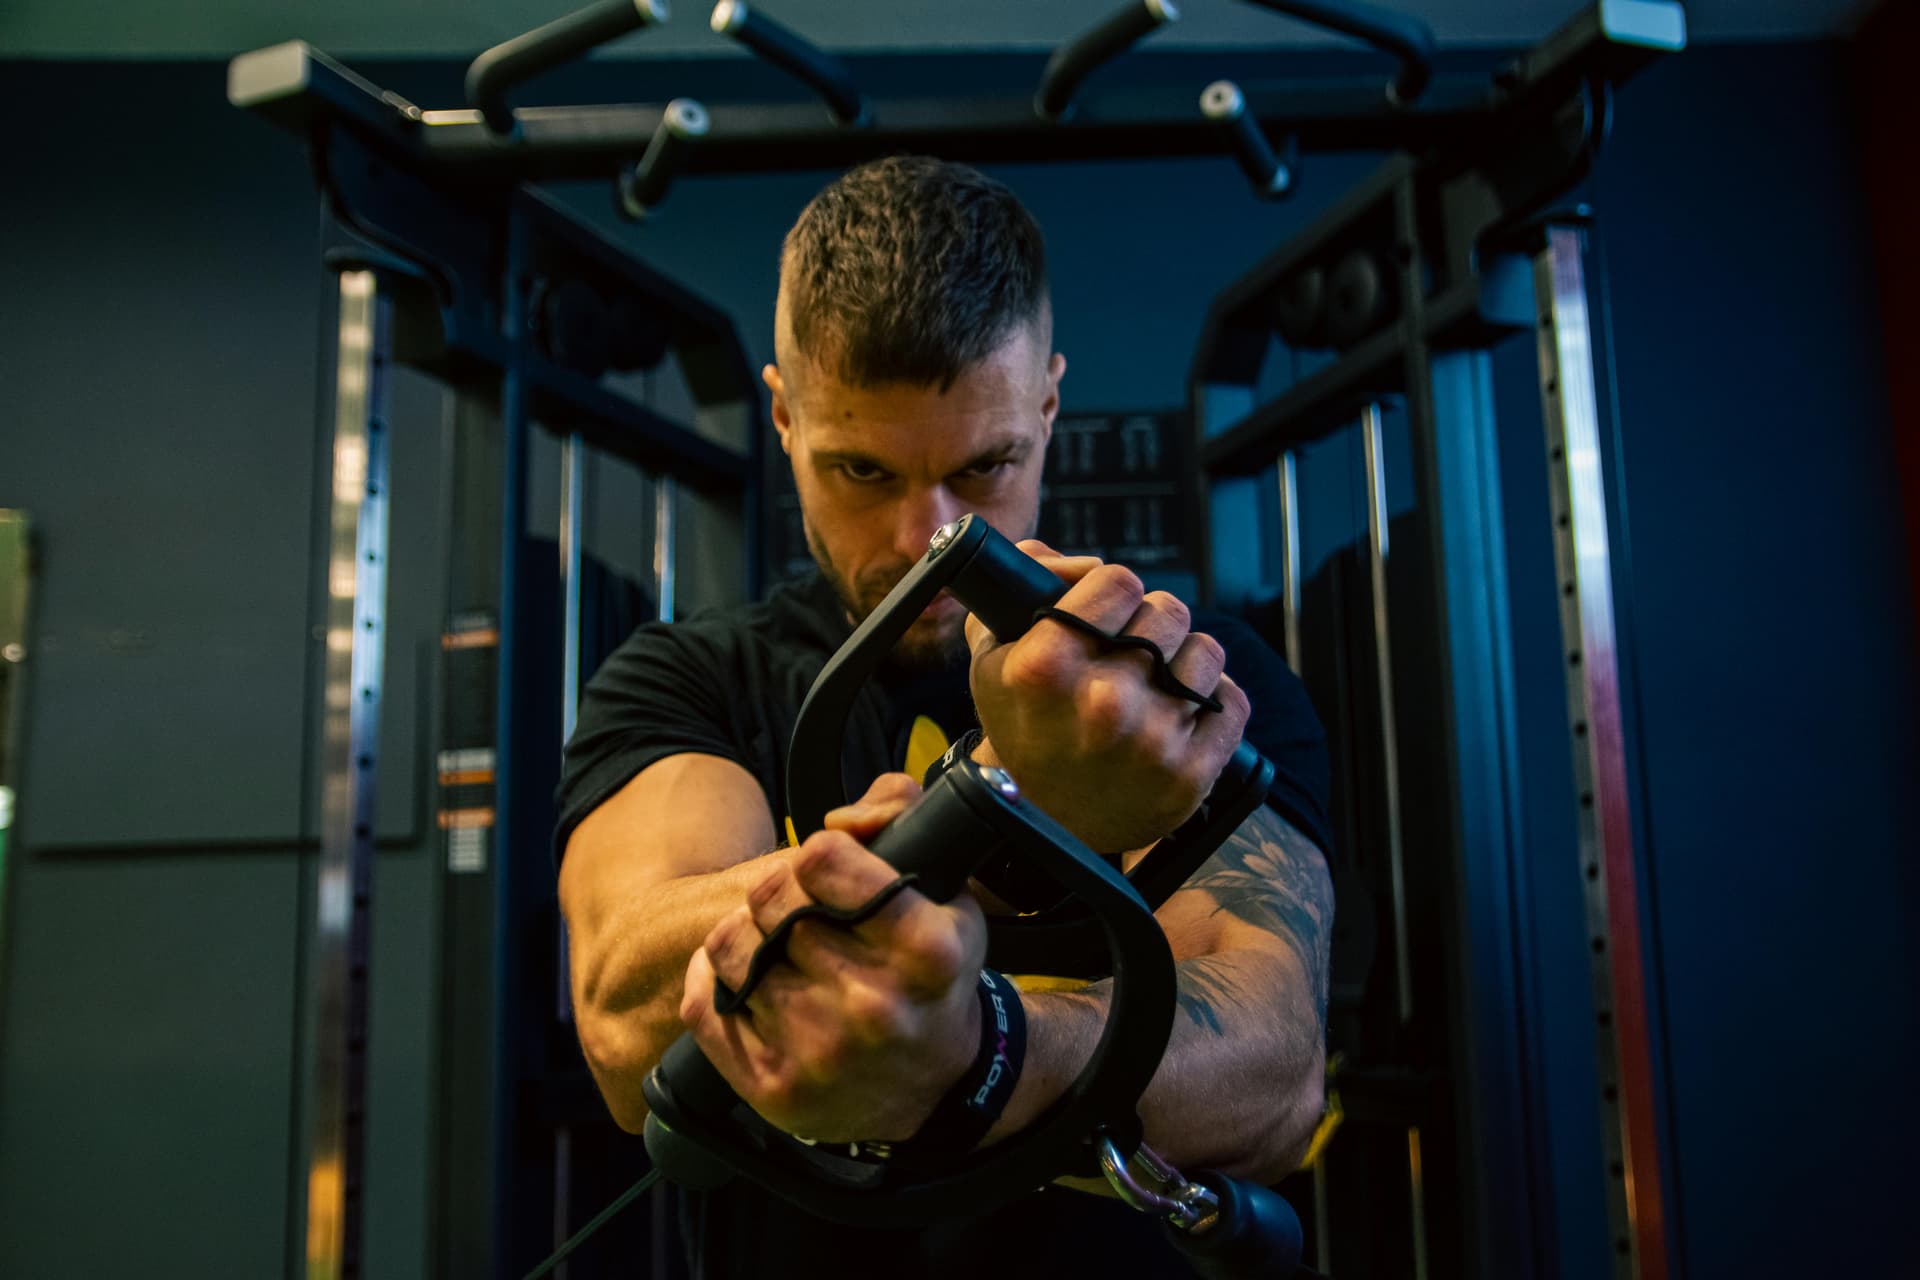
221,28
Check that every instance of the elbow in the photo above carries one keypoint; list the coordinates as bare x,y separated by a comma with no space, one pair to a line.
1278,1148
620,1053
1299,1119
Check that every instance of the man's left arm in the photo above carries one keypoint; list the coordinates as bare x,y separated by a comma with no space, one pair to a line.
1240,1088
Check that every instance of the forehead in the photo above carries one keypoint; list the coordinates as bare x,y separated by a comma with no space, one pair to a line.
997,400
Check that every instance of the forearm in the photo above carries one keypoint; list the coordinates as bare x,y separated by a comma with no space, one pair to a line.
629,965
1240,1086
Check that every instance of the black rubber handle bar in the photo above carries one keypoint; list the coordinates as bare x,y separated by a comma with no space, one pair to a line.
1406,38
640,188
794,54
1077,59
1003,587
700,1134
495,72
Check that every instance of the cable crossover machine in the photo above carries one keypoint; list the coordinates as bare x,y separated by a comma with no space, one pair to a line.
1370,332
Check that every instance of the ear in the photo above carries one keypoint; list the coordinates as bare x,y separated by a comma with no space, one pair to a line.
782,411
1050,407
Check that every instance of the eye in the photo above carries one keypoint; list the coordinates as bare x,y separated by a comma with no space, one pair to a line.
992,468
862,472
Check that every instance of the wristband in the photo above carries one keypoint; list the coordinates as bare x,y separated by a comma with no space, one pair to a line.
960,750
961,1118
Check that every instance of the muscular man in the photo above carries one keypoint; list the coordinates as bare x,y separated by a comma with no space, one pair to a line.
915,382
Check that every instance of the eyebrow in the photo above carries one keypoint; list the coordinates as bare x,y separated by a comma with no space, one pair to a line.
1003,451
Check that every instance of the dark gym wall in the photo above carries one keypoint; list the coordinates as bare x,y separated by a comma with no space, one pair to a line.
156,392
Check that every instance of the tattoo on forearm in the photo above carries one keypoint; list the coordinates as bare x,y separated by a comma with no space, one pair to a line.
1204,988
1271,876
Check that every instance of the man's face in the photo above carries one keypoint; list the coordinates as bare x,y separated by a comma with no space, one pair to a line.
880,468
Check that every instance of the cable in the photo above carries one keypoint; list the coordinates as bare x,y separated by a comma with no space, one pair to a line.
601,1219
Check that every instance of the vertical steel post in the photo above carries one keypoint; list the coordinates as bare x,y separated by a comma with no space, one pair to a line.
335,1014
573,471
511,1019
1290,557
1608,867
1377,552
664,528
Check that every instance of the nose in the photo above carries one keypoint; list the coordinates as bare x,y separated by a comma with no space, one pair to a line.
921,513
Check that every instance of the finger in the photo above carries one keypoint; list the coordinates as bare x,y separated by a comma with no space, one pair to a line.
730,946
836,870
1107,597
926,944
1162,618
1216,735
1069,569
1199,663
891,795
731,1044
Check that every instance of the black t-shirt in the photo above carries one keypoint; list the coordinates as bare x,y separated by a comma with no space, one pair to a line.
730,683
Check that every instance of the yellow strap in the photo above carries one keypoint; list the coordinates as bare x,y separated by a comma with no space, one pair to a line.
1330,1119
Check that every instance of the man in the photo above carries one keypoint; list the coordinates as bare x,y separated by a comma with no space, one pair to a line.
915,382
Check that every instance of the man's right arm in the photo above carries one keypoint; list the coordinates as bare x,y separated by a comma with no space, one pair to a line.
645,878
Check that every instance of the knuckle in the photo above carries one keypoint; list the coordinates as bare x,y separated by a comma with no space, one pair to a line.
1121,581
1037,663
934,958
1106,707
873,1016
1211,649
1171,607
895,786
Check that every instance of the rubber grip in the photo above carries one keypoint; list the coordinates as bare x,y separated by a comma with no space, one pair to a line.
941,839
1003,586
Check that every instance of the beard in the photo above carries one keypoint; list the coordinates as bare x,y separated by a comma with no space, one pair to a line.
929,645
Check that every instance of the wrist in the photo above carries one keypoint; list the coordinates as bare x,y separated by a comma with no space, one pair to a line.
979,1095
984,755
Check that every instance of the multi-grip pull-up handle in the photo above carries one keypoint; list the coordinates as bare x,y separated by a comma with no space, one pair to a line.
498,70
702,1136
1271,174
682,124
1005,589
1406,38
1074,61
789,51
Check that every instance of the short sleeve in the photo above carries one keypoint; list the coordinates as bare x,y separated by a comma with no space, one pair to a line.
661,693
1283,725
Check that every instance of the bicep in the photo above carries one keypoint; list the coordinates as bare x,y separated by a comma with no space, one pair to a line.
688,814
1266,889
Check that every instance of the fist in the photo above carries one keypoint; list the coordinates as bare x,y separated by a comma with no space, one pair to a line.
1086,734
858,1032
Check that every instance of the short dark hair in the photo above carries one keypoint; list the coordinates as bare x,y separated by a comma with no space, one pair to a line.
910,270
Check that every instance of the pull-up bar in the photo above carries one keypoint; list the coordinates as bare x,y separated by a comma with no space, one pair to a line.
522,58
1407,38
1074,61
786,49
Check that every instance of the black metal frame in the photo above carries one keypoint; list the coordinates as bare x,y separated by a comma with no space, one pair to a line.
1426,264
1406,284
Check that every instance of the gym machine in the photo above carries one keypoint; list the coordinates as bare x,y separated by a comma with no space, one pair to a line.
448,258
16,583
